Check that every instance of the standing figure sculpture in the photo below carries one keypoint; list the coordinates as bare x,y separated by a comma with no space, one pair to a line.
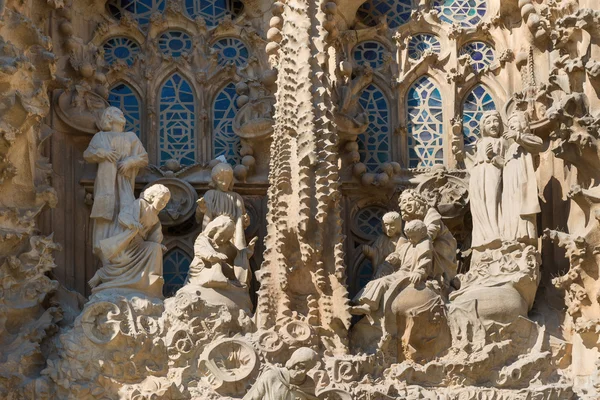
223,201
520,202
134,257
485,184
119,156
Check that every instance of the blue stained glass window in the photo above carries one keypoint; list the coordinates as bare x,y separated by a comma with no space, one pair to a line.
364,274
177,121
141,10
120,48
422,42
231,50
175,43
123,97
425,124
176,265
369,53
478,101
212,10
368,221
226,142
374,144
480,52
463,12
397,12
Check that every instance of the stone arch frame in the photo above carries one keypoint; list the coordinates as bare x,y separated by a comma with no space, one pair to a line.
178,245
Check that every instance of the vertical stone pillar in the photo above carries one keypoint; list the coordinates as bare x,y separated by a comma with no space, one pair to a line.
303,277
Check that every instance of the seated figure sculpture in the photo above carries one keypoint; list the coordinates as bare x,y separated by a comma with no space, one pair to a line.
133,259
289,383
413,260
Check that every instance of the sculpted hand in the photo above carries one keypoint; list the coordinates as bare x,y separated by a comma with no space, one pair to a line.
111,156
489,151
164,248
218,257
393,259
124,166
510,135
415,277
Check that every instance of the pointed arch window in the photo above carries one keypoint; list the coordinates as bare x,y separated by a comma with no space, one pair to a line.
176,265
225,142
478,101
177,122
212,11
140,10
374,144
124,98
425,124
462,12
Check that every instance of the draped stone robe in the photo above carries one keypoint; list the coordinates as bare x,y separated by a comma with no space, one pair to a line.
274,384
216,202
112,190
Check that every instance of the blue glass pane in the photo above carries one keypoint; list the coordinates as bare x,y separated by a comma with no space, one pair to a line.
122,97
481,54
176,265
225,142
212,11
231,50
477,102
374,144
368,221
463,12
369,53
397,12
425,124
140,10
177,110
421,43
122,49
175,43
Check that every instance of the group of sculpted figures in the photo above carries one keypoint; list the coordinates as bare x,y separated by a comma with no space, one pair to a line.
415,259
127,234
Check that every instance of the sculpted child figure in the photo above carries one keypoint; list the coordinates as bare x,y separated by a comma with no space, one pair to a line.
217,261
134,257
412,260
385,244
223,201
289,383
119,156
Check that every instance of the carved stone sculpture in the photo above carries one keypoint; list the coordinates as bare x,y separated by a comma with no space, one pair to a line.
119,156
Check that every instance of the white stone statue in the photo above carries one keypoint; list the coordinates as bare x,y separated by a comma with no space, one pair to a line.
385,244
217,262
223,201
133,258
520,202
485,184
289,383
413,259
119,156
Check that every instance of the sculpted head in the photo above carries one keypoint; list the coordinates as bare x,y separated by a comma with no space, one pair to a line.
220,229
301,361
112,120
415,231
518,121
412,205
157,195
491,124
392,223
222,177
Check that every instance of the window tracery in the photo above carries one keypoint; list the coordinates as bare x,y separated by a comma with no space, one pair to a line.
369,53
368,221
480,52
397,12
463,12
177,121
425,124
124,98
140,10
478,101
174,43
212,11
176,265
374,144
231,51
422,42
120,49
226,143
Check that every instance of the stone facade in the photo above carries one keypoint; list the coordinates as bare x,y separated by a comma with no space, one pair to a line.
247,199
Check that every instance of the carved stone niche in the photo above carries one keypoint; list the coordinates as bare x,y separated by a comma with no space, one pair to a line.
182,204
81,109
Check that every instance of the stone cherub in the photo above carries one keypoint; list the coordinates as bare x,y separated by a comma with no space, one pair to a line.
413,259
223,201
119,156
289,383
134,257
217,262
